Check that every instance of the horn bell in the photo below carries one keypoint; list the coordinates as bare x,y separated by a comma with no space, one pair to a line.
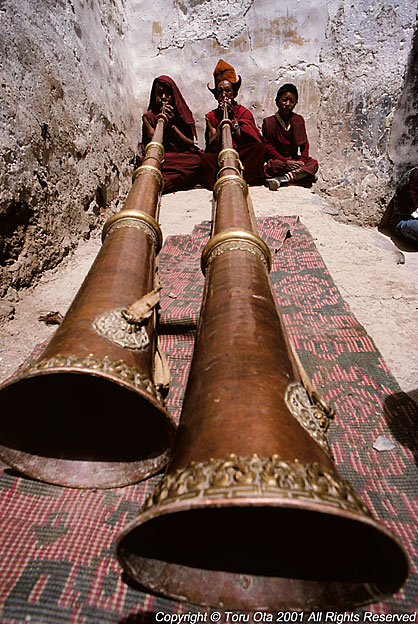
261,534
84,422
89,412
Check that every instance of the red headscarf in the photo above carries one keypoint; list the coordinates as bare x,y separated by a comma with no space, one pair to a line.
183,111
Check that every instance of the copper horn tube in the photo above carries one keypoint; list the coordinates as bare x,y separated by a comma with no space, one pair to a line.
88,413
252,513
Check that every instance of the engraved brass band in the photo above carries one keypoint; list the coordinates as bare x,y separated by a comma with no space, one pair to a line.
128,218
154,171
128,375
240,477
232,239
230,179
228,152
156,145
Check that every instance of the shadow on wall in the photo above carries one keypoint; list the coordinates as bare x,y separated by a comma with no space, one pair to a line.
405,138
404,145
401,414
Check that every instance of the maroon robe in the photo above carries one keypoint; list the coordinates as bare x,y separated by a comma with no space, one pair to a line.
282,145
251,150
181,166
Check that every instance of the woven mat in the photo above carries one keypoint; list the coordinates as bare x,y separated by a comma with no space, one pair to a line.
57,544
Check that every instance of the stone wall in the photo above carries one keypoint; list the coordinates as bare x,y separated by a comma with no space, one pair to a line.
77,74
363,68
68,125
403,146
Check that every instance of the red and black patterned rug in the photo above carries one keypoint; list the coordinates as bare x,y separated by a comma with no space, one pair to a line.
57,544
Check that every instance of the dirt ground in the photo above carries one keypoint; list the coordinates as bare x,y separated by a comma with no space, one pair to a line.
376,277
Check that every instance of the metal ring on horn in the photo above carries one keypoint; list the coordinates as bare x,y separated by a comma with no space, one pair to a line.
227,179
225,121
230,168
140,216
151,170
158,146
226,237
228,152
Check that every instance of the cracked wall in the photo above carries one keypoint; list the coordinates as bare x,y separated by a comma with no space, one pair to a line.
403,145
69,134
363,76
76,76
267,43
349,61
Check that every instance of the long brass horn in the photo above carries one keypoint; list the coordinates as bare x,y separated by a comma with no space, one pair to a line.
88,413
252,513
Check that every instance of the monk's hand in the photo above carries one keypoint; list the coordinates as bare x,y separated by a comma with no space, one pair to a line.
229,107
168,113
294,164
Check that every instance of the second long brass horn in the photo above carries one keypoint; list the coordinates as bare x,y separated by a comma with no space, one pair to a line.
88,412
252,513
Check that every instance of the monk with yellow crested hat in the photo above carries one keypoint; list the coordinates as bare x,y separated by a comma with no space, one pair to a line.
224,71
246,136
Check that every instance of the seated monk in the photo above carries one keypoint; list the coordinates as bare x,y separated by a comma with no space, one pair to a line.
182,157
287,144
404,218
245,134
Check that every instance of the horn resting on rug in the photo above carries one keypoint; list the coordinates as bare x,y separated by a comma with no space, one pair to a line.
88,412
252,513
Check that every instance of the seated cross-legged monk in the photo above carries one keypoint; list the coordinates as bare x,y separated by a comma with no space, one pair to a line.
287,145
246,136
182,157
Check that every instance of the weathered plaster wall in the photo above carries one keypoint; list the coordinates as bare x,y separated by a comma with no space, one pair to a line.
363,68
349,61
76,77
266,41
67,128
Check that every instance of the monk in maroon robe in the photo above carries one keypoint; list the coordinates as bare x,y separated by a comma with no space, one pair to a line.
182,158
245,134
287,144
